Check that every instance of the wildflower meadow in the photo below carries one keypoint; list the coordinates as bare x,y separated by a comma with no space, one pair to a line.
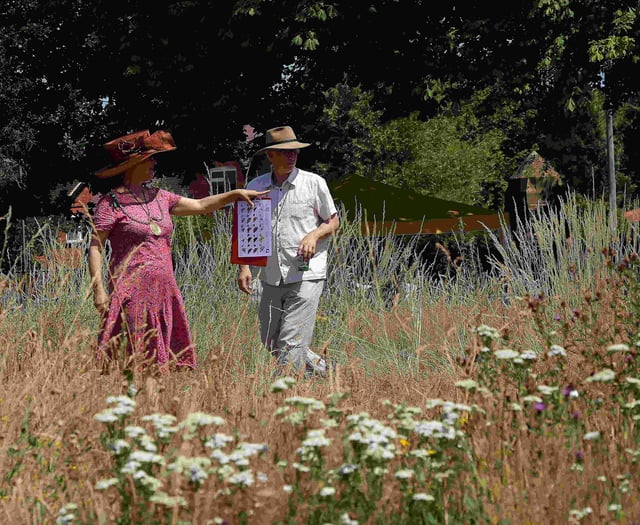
479,379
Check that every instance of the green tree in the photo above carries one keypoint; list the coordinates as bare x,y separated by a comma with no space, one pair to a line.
203,70
447,156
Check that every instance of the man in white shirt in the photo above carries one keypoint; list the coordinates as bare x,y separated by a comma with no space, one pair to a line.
303,217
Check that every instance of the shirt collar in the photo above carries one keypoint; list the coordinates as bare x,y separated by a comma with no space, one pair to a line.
291,179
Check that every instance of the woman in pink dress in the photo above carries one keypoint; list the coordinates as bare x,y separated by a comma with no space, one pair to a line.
143,306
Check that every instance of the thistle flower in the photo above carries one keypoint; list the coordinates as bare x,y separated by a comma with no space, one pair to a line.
570,392
539,407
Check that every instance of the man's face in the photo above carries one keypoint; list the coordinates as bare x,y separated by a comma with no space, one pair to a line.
283,160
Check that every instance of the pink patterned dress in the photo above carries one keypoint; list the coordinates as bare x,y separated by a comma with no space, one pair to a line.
145,306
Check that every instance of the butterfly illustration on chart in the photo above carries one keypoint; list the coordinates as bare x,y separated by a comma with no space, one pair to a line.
254,228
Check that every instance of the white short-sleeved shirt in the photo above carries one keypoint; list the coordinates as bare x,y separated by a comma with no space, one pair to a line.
299,206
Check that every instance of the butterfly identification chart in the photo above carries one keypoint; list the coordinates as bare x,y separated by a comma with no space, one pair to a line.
254,228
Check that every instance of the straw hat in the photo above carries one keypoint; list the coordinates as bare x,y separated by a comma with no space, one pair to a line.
282,137
129,150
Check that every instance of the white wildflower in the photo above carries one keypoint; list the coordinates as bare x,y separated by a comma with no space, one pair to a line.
118,446
547,390
134,432
104,484
325,492
220,457
347,468
603,376
147,481
345,519
487,331
142,456
406,473
244,478
305,402
218,441
557,350
106,416
506,354
282,384
421,496
467,384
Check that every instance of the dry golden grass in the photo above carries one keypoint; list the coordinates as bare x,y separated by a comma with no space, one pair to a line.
52,388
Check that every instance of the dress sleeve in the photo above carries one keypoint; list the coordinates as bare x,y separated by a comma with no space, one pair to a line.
104,216
170,198
324,201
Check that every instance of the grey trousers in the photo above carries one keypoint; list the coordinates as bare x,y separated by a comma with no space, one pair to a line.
287,315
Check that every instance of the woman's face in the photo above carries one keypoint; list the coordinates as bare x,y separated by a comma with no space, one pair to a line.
142,172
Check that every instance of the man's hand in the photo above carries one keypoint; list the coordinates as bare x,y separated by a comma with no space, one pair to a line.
307,246
245,279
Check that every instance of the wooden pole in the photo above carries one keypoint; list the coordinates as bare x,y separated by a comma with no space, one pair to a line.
611,170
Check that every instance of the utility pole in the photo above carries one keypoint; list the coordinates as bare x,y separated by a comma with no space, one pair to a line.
611,170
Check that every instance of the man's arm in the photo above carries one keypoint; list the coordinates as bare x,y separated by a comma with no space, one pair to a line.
309,242
245,278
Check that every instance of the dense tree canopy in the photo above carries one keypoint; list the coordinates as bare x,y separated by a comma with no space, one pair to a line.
75,73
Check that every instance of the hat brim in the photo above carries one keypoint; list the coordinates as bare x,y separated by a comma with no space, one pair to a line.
112,171
284,145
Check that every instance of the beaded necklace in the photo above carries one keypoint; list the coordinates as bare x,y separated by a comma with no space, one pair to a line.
152,221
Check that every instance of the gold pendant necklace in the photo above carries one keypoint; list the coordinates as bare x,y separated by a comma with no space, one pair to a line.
155,228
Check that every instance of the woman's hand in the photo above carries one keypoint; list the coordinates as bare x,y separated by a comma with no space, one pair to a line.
249,195
101,301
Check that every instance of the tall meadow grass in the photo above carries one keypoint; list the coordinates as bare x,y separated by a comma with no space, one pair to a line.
472,386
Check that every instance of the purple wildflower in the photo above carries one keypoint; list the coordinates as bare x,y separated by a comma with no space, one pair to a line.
539,406
566,391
